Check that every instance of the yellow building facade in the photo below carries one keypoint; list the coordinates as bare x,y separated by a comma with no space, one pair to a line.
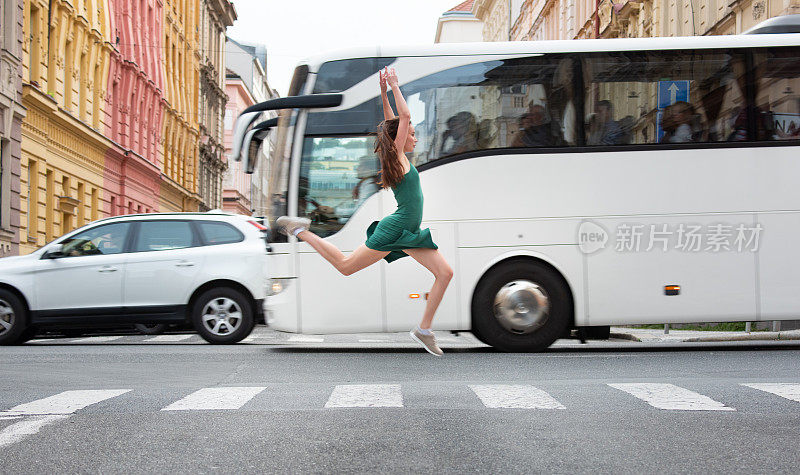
505,20
95,121
179,145
62,159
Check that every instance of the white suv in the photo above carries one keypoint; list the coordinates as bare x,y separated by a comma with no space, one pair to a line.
208,269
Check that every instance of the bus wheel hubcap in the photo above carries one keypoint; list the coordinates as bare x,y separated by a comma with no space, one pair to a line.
521,306
6,317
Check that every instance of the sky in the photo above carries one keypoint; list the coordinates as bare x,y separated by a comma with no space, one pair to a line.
296,29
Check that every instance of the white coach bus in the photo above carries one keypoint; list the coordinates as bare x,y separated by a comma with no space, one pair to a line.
570,184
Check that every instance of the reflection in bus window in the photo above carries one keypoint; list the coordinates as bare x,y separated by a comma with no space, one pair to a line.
337,174
521,102
662,96
777,93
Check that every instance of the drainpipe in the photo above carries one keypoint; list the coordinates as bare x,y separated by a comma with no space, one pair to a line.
597,19
510,16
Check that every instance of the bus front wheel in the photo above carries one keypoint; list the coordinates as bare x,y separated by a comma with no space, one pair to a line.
521,306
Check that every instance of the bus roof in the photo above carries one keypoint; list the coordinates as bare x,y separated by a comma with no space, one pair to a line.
558,46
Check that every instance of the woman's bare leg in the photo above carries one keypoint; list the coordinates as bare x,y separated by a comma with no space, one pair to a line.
360,258
433,260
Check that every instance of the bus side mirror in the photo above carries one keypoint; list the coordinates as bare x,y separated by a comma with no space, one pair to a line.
252,143
240,130
253,146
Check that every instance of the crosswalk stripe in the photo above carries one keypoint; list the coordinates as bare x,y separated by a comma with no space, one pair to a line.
168,338
48,410
25,428
514,396
671,397
366,395
253,337
305,339
786,390
66,402
96,339
209,399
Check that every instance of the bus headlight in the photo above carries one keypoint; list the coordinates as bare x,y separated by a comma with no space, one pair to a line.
275,286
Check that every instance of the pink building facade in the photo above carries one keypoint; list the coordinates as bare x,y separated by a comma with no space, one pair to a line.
134,107
236,184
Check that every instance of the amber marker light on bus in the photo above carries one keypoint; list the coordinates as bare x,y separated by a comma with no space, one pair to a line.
413,296
672,290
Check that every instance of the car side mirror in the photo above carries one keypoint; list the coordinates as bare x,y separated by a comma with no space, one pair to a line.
55,251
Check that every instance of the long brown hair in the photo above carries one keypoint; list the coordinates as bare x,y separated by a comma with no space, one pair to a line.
391,169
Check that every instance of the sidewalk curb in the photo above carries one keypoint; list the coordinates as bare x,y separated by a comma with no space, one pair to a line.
755,336
624,336
758,336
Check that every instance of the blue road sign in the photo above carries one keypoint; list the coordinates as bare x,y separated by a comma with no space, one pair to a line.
670,92
659,131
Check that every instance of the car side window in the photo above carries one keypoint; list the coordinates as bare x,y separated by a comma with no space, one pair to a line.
164,236
219,233
100,240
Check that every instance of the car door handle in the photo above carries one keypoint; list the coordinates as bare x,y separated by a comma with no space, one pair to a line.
185,264
107,269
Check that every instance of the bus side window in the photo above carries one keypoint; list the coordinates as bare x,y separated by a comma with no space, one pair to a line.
777,107
649,97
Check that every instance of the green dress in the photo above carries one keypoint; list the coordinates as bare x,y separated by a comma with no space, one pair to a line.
400,230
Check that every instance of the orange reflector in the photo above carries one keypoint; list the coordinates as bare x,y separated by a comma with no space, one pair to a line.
672,290
413,296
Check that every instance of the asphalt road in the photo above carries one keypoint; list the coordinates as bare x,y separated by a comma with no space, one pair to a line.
378,403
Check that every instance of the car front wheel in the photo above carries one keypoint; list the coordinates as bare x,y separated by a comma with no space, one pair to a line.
12,318
223,315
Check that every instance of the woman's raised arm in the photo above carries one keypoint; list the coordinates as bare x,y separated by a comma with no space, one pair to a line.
388,113
402,110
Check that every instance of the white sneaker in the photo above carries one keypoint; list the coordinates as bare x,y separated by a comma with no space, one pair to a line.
427,341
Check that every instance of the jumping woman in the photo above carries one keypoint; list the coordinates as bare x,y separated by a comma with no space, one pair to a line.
397,235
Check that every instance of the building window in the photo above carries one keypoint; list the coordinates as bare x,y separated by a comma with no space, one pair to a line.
33,199
4,204
49,205
33,44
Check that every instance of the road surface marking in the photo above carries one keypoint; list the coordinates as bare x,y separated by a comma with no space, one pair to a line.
366,395
373,341
514,396
254,337
49,410
66,402
25,428
671,397
168,338
96,339
305,339
209,399
785,390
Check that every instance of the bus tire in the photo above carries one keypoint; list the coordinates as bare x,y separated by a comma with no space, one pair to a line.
222,303
12,312
521,306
